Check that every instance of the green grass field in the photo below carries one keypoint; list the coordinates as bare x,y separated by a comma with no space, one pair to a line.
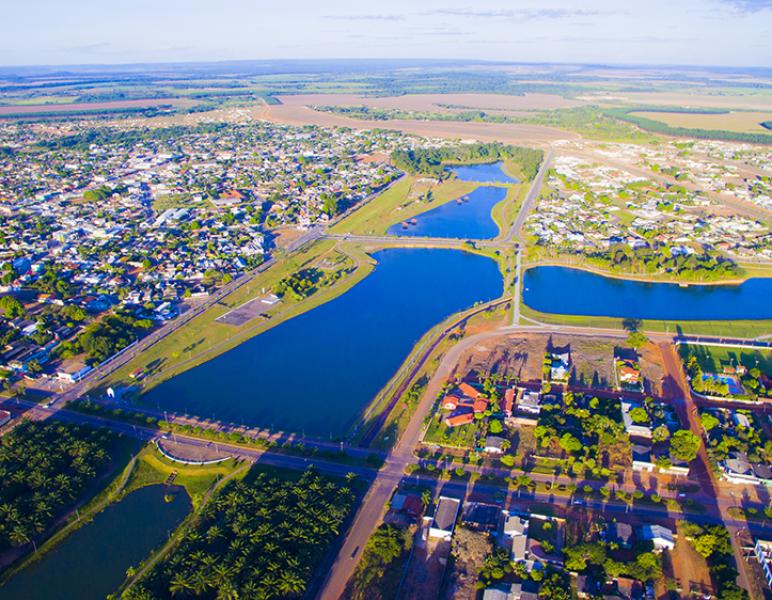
742,329
152,468
399,202
713,359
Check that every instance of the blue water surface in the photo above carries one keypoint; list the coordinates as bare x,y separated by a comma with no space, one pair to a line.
91,563
315,373
467,218
575,292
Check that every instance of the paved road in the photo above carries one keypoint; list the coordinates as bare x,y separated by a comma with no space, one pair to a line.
414,240
516,232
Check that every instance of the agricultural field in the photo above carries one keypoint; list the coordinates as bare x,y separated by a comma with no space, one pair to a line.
740,121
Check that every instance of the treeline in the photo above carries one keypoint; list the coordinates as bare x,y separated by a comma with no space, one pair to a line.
45,467
102,339
432,161
147,111
704,134
262,537
620,258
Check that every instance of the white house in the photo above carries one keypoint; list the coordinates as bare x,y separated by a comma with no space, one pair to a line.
660,536
442,524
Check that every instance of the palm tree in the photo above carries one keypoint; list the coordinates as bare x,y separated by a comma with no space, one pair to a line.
180,584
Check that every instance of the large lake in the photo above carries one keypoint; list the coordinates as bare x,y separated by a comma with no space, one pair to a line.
569,291
484,173
91,563
316,372
467,217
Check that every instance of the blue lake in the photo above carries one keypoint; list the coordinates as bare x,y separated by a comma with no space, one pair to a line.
575,292
91,563
469,219
484,173
316,372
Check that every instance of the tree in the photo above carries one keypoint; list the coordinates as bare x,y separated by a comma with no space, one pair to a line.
639,415
11,307
684,445
708,421
660,434
569,443
636,339
706,544
495,426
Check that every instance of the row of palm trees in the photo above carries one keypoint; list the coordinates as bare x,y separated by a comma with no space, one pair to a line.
44,467
259,538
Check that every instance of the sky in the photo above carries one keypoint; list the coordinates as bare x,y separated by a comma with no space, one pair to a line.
686,32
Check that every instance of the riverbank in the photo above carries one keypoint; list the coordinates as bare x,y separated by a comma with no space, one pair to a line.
407,198
751,271
741,328
205,338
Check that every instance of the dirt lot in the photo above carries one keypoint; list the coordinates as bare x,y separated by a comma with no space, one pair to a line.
426,569
470,550
690,569
300,114
437,102
521,356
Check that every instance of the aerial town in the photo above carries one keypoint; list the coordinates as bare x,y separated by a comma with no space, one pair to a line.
378,328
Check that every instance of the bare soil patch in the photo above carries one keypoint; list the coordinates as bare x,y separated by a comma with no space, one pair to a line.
690,569
298,114
437,102
470,550
592,358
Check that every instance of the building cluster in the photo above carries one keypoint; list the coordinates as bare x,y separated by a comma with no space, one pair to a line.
592,208
96,220
531,541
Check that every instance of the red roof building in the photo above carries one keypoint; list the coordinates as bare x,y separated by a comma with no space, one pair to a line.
458,420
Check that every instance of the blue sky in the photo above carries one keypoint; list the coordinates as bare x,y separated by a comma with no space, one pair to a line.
700,32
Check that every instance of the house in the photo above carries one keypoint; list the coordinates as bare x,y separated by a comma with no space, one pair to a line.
408,503
513,536
660,536
642,458
72,371
468,391
450,402
634,429
480,516
559,366
763,551
459,419
627,588
529,403
494,444
737,468
629,373
620,534
511,591
442,524
509,401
